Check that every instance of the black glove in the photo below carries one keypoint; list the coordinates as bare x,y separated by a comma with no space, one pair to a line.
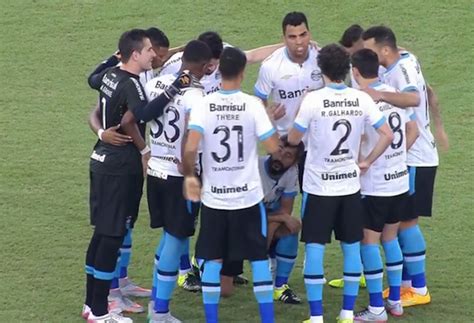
184,80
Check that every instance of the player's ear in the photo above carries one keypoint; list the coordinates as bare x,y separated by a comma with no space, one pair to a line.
355,72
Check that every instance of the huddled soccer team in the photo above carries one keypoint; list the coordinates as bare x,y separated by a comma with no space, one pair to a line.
347,125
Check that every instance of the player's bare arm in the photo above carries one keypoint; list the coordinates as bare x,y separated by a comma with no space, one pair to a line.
109,135
386,137
192,185
435,112
399,99
412,133
258,54
271,145
295,136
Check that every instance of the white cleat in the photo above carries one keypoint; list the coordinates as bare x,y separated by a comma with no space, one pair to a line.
163,318
108,318
128,288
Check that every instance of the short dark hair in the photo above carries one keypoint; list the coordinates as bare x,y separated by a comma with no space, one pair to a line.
334,62
157,37
294,18
382,35
131,41
232,62
351,35
367,63
214,41
196,52
299,147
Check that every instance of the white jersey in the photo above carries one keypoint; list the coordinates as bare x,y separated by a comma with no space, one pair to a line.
334,118
211,82
275,189
405,75
388,175
167,131
231,123
284,81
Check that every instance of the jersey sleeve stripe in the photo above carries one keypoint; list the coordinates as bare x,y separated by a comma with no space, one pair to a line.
260,94
289,194
379,123
196,128
267,134
412,117
299,127
410,88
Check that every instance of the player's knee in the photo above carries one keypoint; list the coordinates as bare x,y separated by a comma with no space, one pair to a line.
408,224
227,286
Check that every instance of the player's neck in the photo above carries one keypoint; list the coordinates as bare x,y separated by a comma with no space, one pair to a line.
131,68
392,59
364,83
297,60
328,81
231,85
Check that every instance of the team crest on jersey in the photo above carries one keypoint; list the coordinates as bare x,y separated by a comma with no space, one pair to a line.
315,75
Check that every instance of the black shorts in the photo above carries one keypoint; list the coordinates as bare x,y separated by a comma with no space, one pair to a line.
168,207
301,163
381,210
232,268
114,202
323,214
422,181
233,235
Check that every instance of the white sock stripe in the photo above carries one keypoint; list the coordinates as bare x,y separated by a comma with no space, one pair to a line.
167,278
288,260
394,268
414,258
373,276
211,289
312,281
351,278
125,250
263,288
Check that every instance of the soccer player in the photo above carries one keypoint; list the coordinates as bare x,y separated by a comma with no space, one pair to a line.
384,188
279,174
334,118
405,75
115,173
211,81
168,208
233,221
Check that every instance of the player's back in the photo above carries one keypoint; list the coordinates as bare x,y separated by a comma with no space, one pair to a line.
167,131
336,116
388,175
406,75
117,91
231,130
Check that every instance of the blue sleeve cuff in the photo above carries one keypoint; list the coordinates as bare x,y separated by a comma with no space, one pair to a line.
266,135
413,117
260,94
299,127
379,123
196,127
289,194
410,88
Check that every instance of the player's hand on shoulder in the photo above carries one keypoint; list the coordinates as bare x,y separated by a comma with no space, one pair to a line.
113,137
374,94
192,188
276,111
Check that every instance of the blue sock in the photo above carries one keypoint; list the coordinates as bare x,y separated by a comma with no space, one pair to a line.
414,249
314,277
168,271
352,272
185,264
158,250
394,264
373,271
263,289
286,252
211,290
125,252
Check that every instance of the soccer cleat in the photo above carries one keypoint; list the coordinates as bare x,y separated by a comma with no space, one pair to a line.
368,316
163,318
86,310
339,283
240,280
403,290
125,304
394,309
286,295
411,298
151,306
109,318
128,288
189,282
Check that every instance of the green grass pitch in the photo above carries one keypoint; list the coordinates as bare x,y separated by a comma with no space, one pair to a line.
47,49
